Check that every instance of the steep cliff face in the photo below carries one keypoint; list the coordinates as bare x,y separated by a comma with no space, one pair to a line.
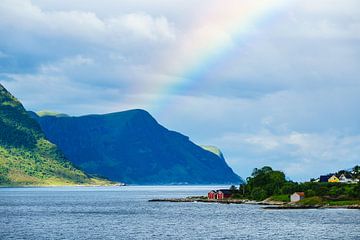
132,147
26,156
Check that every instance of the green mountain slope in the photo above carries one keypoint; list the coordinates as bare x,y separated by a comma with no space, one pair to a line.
132,147
26,156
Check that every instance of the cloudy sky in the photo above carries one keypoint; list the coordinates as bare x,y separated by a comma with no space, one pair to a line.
269,82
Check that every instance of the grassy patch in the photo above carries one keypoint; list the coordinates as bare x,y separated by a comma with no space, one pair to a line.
321,201
311,201
343,203
237,196
280,198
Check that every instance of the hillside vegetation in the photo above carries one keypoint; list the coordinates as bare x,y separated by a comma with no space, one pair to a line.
26,156
266,182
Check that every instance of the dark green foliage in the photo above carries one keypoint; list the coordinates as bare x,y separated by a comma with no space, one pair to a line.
258,193
132,147
289,188
332,190
356,191
265,182
310,193
233,189
26,157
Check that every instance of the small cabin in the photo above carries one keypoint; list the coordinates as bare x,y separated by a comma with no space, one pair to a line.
212,194
333,179
224,194
297,196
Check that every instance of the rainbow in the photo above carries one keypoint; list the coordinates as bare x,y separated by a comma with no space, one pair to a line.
221,26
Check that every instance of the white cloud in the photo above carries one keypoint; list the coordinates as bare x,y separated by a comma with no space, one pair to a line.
64,64
144,25
300,155
24,17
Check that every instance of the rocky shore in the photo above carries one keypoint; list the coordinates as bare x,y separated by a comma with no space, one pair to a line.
294,206
205,200
223,201
276,205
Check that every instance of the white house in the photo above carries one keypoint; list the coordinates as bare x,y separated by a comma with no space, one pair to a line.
297,196
344,179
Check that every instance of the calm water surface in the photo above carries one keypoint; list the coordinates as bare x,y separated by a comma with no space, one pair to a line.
125,213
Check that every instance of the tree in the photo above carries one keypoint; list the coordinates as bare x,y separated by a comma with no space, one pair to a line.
258,194
261,171
310,193
356,171
233,189
356,191
267,180
242,189
289,188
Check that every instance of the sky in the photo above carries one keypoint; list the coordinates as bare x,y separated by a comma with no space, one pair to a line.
268,82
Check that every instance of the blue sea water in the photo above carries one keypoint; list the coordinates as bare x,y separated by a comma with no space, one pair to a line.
125,213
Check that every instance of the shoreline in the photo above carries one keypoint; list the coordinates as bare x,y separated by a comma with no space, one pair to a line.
223,201
270,205
204,200
294,207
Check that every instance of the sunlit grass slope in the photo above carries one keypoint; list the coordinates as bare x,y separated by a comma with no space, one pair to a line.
26,156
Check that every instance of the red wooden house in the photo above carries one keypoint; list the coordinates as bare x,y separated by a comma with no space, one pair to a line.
219,194
212,194
223,194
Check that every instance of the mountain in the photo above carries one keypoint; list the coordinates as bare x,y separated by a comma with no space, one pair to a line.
132,147
26,156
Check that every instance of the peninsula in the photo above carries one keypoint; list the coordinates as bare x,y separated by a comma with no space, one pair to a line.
269,187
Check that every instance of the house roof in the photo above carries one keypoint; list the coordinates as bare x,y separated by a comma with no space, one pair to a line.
302,194
225,191
345,175
324,178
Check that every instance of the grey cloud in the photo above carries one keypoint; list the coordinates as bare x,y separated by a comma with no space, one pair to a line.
298,154
295,73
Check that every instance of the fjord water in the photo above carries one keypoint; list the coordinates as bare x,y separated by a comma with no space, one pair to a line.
125,213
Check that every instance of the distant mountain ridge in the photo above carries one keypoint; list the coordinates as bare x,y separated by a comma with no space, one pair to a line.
26,156
132,147
49,113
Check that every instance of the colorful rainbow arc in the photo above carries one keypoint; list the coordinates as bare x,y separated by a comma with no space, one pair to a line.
234,20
